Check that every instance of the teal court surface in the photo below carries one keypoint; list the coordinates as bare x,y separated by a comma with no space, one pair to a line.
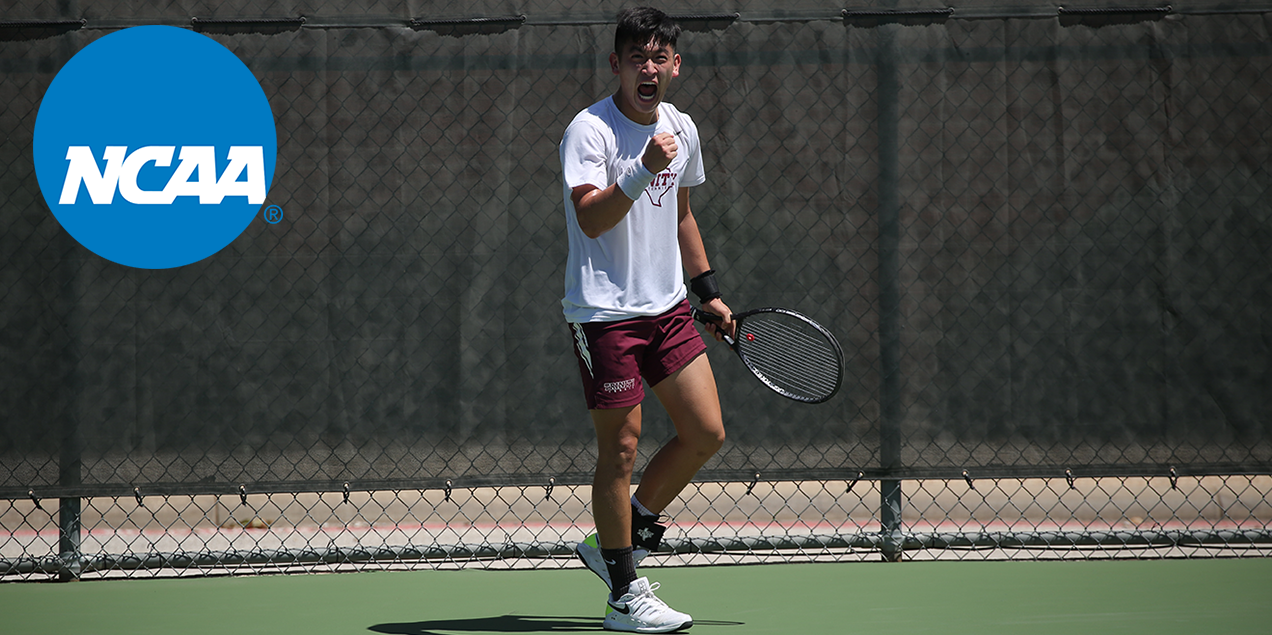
1074,598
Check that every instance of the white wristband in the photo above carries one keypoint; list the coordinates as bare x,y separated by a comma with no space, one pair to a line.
634,181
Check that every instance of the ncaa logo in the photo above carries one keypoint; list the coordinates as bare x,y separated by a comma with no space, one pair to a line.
154,147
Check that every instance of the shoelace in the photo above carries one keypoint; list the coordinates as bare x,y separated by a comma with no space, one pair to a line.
651,603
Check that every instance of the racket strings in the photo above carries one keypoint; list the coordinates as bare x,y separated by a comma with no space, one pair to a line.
791,354
797,353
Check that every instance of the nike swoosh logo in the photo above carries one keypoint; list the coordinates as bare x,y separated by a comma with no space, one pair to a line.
609,561
625,610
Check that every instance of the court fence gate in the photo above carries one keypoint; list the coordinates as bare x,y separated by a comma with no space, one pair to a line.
1041,235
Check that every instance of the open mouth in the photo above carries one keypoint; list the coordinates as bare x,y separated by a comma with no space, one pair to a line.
647,90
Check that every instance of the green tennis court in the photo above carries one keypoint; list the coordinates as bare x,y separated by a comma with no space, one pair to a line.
1159,597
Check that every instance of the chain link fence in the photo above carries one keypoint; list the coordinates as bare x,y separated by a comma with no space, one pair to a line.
1041,236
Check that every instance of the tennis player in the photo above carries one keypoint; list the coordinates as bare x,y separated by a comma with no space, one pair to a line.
629,162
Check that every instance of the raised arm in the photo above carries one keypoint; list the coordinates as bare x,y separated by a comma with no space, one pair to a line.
599,210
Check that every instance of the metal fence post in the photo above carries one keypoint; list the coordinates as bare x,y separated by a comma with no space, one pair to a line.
69,524
70,463
889,294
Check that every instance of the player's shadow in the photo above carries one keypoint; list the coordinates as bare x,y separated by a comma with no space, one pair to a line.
501,624
507,624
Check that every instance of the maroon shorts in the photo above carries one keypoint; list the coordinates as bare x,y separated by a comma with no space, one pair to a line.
614,356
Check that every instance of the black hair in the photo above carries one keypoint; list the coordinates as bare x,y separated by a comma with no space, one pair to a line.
642,24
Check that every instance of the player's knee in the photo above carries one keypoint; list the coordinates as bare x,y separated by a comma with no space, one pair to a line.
717,440
707,442
627,451
621,454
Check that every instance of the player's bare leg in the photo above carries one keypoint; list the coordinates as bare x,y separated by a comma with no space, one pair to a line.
617,433
631,605
690,397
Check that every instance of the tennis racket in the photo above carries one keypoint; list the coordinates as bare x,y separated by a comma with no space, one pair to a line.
788,352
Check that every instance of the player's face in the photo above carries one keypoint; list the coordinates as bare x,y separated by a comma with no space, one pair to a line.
644,73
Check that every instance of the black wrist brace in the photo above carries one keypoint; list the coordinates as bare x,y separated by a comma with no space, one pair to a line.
704,286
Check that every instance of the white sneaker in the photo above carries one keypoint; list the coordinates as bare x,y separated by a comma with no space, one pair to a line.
640,611
589,551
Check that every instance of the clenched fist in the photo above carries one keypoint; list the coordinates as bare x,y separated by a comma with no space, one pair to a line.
661,150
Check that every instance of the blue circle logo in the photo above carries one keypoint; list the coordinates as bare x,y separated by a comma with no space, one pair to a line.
155,147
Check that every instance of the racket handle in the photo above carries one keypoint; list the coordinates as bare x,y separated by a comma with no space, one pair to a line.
707,317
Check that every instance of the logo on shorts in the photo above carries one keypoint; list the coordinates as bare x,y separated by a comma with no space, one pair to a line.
155,147
619,386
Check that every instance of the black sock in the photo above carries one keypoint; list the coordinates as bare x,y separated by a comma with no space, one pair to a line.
622,571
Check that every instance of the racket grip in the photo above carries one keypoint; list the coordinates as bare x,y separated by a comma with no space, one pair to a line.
706,317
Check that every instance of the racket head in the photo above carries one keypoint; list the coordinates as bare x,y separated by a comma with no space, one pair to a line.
789,352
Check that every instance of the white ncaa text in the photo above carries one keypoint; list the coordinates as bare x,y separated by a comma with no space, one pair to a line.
122,169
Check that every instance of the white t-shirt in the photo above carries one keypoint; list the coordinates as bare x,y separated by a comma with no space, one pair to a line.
634,268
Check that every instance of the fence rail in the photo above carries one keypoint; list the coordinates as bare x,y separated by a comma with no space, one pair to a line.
716,523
